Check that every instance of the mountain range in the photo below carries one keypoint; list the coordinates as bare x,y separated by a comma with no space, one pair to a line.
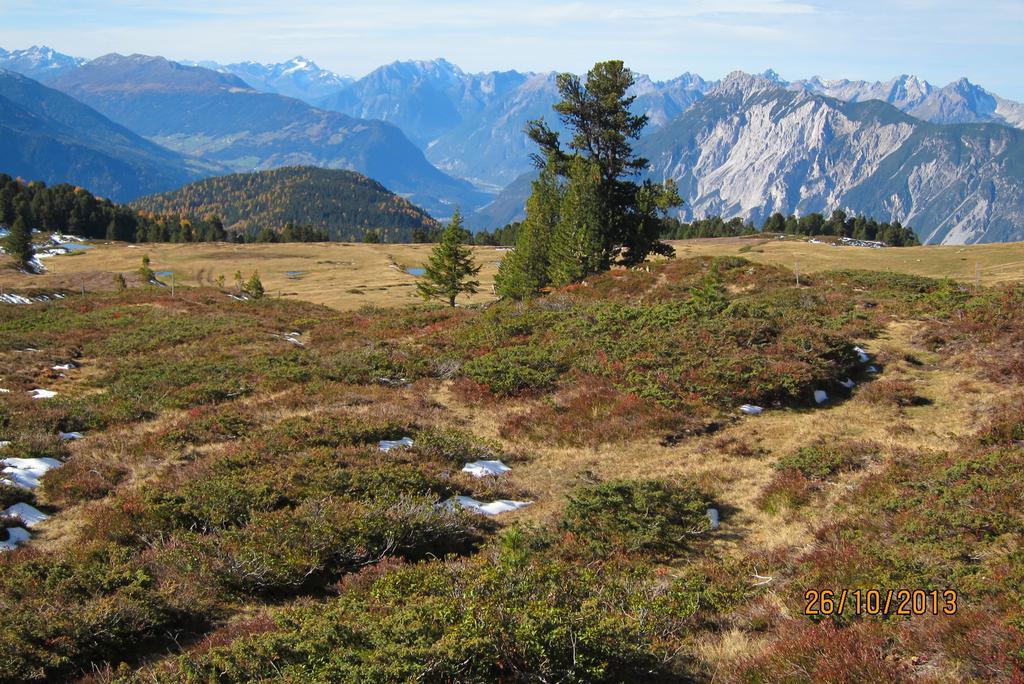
47,135
443,137
218,117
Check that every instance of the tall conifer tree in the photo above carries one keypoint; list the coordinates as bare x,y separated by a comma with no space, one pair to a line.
524,271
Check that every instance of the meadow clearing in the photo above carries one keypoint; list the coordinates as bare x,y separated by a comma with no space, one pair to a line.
347,276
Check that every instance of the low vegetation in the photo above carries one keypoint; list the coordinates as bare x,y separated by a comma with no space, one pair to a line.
229,514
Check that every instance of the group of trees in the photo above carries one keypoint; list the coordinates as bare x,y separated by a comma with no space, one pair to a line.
839,224
585,212
343,205
68,209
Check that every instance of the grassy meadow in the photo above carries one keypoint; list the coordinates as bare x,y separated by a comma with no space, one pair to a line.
350,275
229,516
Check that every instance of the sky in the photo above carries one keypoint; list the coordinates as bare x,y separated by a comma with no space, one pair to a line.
939,40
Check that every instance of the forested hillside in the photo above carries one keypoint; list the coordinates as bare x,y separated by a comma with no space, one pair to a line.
345,204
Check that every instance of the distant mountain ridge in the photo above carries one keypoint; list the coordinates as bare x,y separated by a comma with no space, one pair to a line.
298,77
442,137
39,63
218,117
47,135
345,204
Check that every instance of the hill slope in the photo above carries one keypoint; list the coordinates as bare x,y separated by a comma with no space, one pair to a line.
220,118
52,137
343,203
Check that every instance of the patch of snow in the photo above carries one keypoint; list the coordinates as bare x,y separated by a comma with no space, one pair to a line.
25,472
862,355
71,435
15,536
751,410
492,508
64,366
848,383
29,515
713,518
872,369
43,394
4,390
485,468
388,444
820,396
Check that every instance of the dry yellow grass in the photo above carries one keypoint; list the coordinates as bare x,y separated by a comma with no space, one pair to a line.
993,263
340,275
349,275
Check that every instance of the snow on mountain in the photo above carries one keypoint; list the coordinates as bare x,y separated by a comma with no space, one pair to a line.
40,63
299,77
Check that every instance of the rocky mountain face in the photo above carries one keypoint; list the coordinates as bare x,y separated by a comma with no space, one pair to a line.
39,63
49,136
751,148
220,118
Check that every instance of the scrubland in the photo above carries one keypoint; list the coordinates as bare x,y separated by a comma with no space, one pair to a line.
228,515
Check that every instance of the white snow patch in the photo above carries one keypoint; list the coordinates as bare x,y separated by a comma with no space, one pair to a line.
389,444
71,435
872,369
64,366
486,468
15,536
751,410
43,394
820,396
848,383
25,472
29,515
713,518
863,355
492,508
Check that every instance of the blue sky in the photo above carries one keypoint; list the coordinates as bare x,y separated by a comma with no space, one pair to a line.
938,40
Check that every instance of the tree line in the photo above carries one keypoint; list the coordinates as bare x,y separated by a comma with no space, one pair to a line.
839,224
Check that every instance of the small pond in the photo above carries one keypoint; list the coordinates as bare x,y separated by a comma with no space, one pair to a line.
75,246
416,271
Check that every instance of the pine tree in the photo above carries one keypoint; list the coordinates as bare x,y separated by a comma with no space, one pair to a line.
18,244
450,267
524,271
576,243
254,286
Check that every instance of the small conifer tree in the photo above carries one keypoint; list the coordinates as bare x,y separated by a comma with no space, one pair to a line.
18,244
450,270
254,286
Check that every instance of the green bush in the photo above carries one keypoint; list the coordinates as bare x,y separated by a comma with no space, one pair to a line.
631,515
825,460
515,370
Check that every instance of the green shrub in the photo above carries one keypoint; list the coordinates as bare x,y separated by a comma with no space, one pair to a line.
824,460
631,515
451,445
515,370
